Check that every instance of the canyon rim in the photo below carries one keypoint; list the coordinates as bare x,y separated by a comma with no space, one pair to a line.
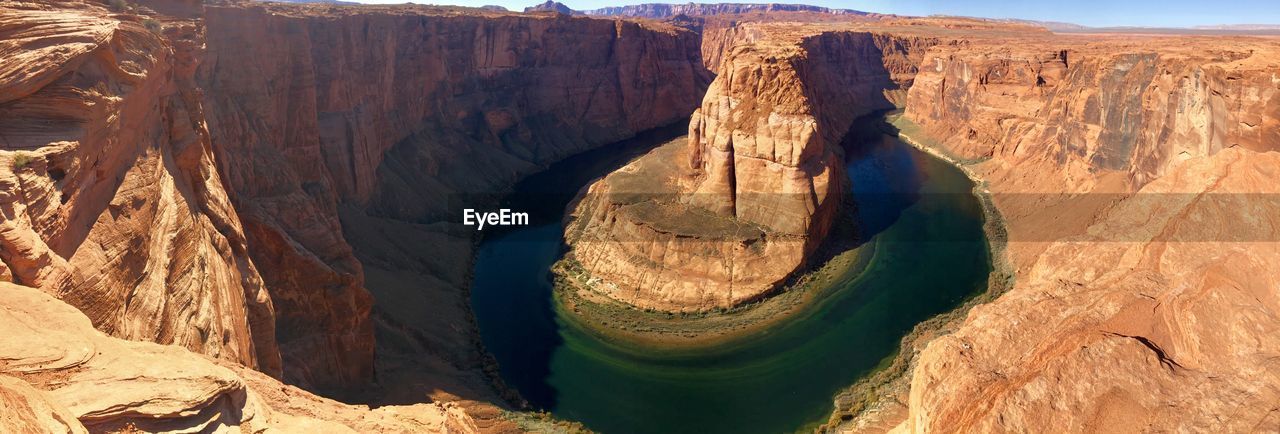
232,215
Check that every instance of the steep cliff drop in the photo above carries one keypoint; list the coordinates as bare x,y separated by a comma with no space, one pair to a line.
727,217
113,118
201,204
1123,167
383,148
61,375
111,198
1136,176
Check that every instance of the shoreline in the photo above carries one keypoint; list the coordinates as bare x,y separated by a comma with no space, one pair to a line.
881,397
615,322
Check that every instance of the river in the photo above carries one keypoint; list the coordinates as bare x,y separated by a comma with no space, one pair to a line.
923,253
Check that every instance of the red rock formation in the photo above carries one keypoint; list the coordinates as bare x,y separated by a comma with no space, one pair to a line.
1125,105
1159,318
1134,174
111,200
62,375
550,6
400,112
763,163
115,204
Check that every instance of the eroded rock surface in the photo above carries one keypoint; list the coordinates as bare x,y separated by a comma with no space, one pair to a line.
60,374
111,199
372,127
120,130
759,185
1136,179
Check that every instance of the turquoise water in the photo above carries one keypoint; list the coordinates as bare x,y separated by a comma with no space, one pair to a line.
924,254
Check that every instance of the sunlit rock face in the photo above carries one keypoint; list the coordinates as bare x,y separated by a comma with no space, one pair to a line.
1136,178
759,179
111,199
62,375
176,170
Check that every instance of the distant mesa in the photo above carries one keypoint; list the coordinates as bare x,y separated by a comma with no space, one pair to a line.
495,8
1244,27
551,6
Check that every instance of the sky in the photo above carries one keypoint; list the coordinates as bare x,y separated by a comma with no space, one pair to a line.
1098,13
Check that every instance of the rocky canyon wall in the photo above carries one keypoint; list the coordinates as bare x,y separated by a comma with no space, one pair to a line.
1136,179
61,375
1126,105
400,115
177,171
761,178
111,199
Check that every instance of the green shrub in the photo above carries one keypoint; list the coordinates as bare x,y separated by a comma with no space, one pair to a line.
152,25
118,5
22,160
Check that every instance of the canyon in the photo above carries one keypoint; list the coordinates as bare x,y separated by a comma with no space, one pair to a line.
191,185
226,215
761,179
1113,164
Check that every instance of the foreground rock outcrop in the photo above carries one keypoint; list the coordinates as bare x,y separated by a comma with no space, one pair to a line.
1160,318
57,367
759,184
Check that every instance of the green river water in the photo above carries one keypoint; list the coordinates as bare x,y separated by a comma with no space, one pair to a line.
924,253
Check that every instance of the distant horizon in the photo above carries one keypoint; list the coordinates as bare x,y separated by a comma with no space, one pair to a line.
1091,13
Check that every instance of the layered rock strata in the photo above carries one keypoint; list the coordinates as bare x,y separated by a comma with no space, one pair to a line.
1136,178
1123,106
56,366
182,172
397,117
111,199
760,181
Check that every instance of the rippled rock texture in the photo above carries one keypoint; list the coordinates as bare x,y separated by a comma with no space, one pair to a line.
189,174
57,368
111,199
1136,178
229,193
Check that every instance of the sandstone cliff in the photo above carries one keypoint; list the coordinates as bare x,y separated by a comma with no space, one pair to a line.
111,199
359,121
1160,318
120,129
195,176
763,179
1124,105
1136,178
57,368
